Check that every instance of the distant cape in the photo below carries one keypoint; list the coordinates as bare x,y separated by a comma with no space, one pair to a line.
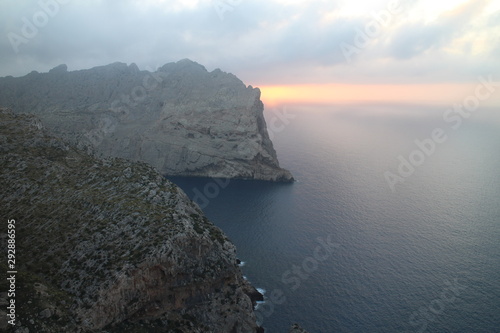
181,119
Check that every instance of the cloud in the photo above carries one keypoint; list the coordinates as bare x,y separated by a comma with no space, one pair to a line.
414,39
97,31
262,42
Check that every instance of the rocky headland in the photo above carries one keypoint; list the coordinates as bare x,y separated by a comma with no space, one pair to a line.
181,119
110,245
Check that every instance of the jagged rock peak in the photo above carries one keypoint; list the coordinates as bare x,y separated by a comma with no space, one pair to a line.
181,119
59,69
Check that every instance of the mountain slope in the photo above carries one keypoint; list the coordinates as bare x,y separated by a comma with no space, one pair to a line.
111,244
181,119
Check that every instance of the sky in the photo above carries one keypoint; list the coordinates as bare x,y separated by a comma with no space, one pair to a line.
319,51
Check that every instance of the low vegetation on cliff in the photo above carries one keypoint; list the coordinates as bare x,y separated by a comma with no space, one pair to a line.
111,245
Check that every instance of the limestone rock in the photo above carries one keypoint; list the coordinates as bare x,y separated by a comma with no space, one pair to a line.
46,313
181,119
3,323
297,329
59,69
252,292
111,244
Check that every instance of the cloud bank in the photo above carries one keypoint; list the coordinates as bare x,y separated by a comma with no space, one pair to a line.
262,42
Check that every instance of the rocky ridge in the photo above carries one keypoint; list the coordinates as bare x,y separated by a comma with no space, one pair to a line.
111,245
181,119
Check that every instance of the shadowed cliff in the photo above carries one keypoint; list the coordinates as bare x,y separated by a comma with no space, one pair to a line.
111,244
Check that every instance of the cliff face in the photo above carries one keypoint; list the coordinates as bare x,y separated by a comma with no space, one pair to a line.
181,119
111,244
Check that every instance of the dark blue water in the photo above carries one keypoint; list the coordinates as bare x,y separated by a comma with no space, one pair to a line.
422,258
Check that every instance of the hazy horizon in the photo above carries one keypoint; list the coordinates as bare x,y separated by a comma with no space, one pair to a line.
417,51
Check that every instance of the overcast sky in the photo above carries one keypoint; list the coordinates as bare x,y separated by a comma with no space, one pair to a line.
271,42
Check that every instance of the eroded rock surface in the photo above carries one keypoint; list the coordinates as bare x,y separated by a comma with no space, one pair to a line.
111,244
181,119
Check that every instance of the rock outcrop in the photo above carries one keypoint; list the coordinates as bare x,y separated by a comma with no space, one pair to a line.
297,329
110,244
181,119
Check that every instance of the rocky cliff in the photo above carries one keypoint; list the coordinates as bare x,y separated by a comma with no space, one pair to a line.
181,119
110,244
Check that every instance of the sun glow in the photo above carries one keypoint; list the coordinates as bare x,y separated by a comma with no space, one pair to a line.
437,94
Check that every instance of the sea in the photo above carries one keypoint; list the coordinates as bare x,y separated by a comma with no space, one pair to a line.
392,224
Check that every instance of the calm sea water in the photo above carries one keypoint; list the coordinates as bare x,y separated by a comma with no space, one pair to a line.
422,258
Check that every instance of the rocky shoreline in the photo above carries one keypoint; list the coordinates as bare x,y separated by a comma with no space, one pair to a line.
106,243
111,245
